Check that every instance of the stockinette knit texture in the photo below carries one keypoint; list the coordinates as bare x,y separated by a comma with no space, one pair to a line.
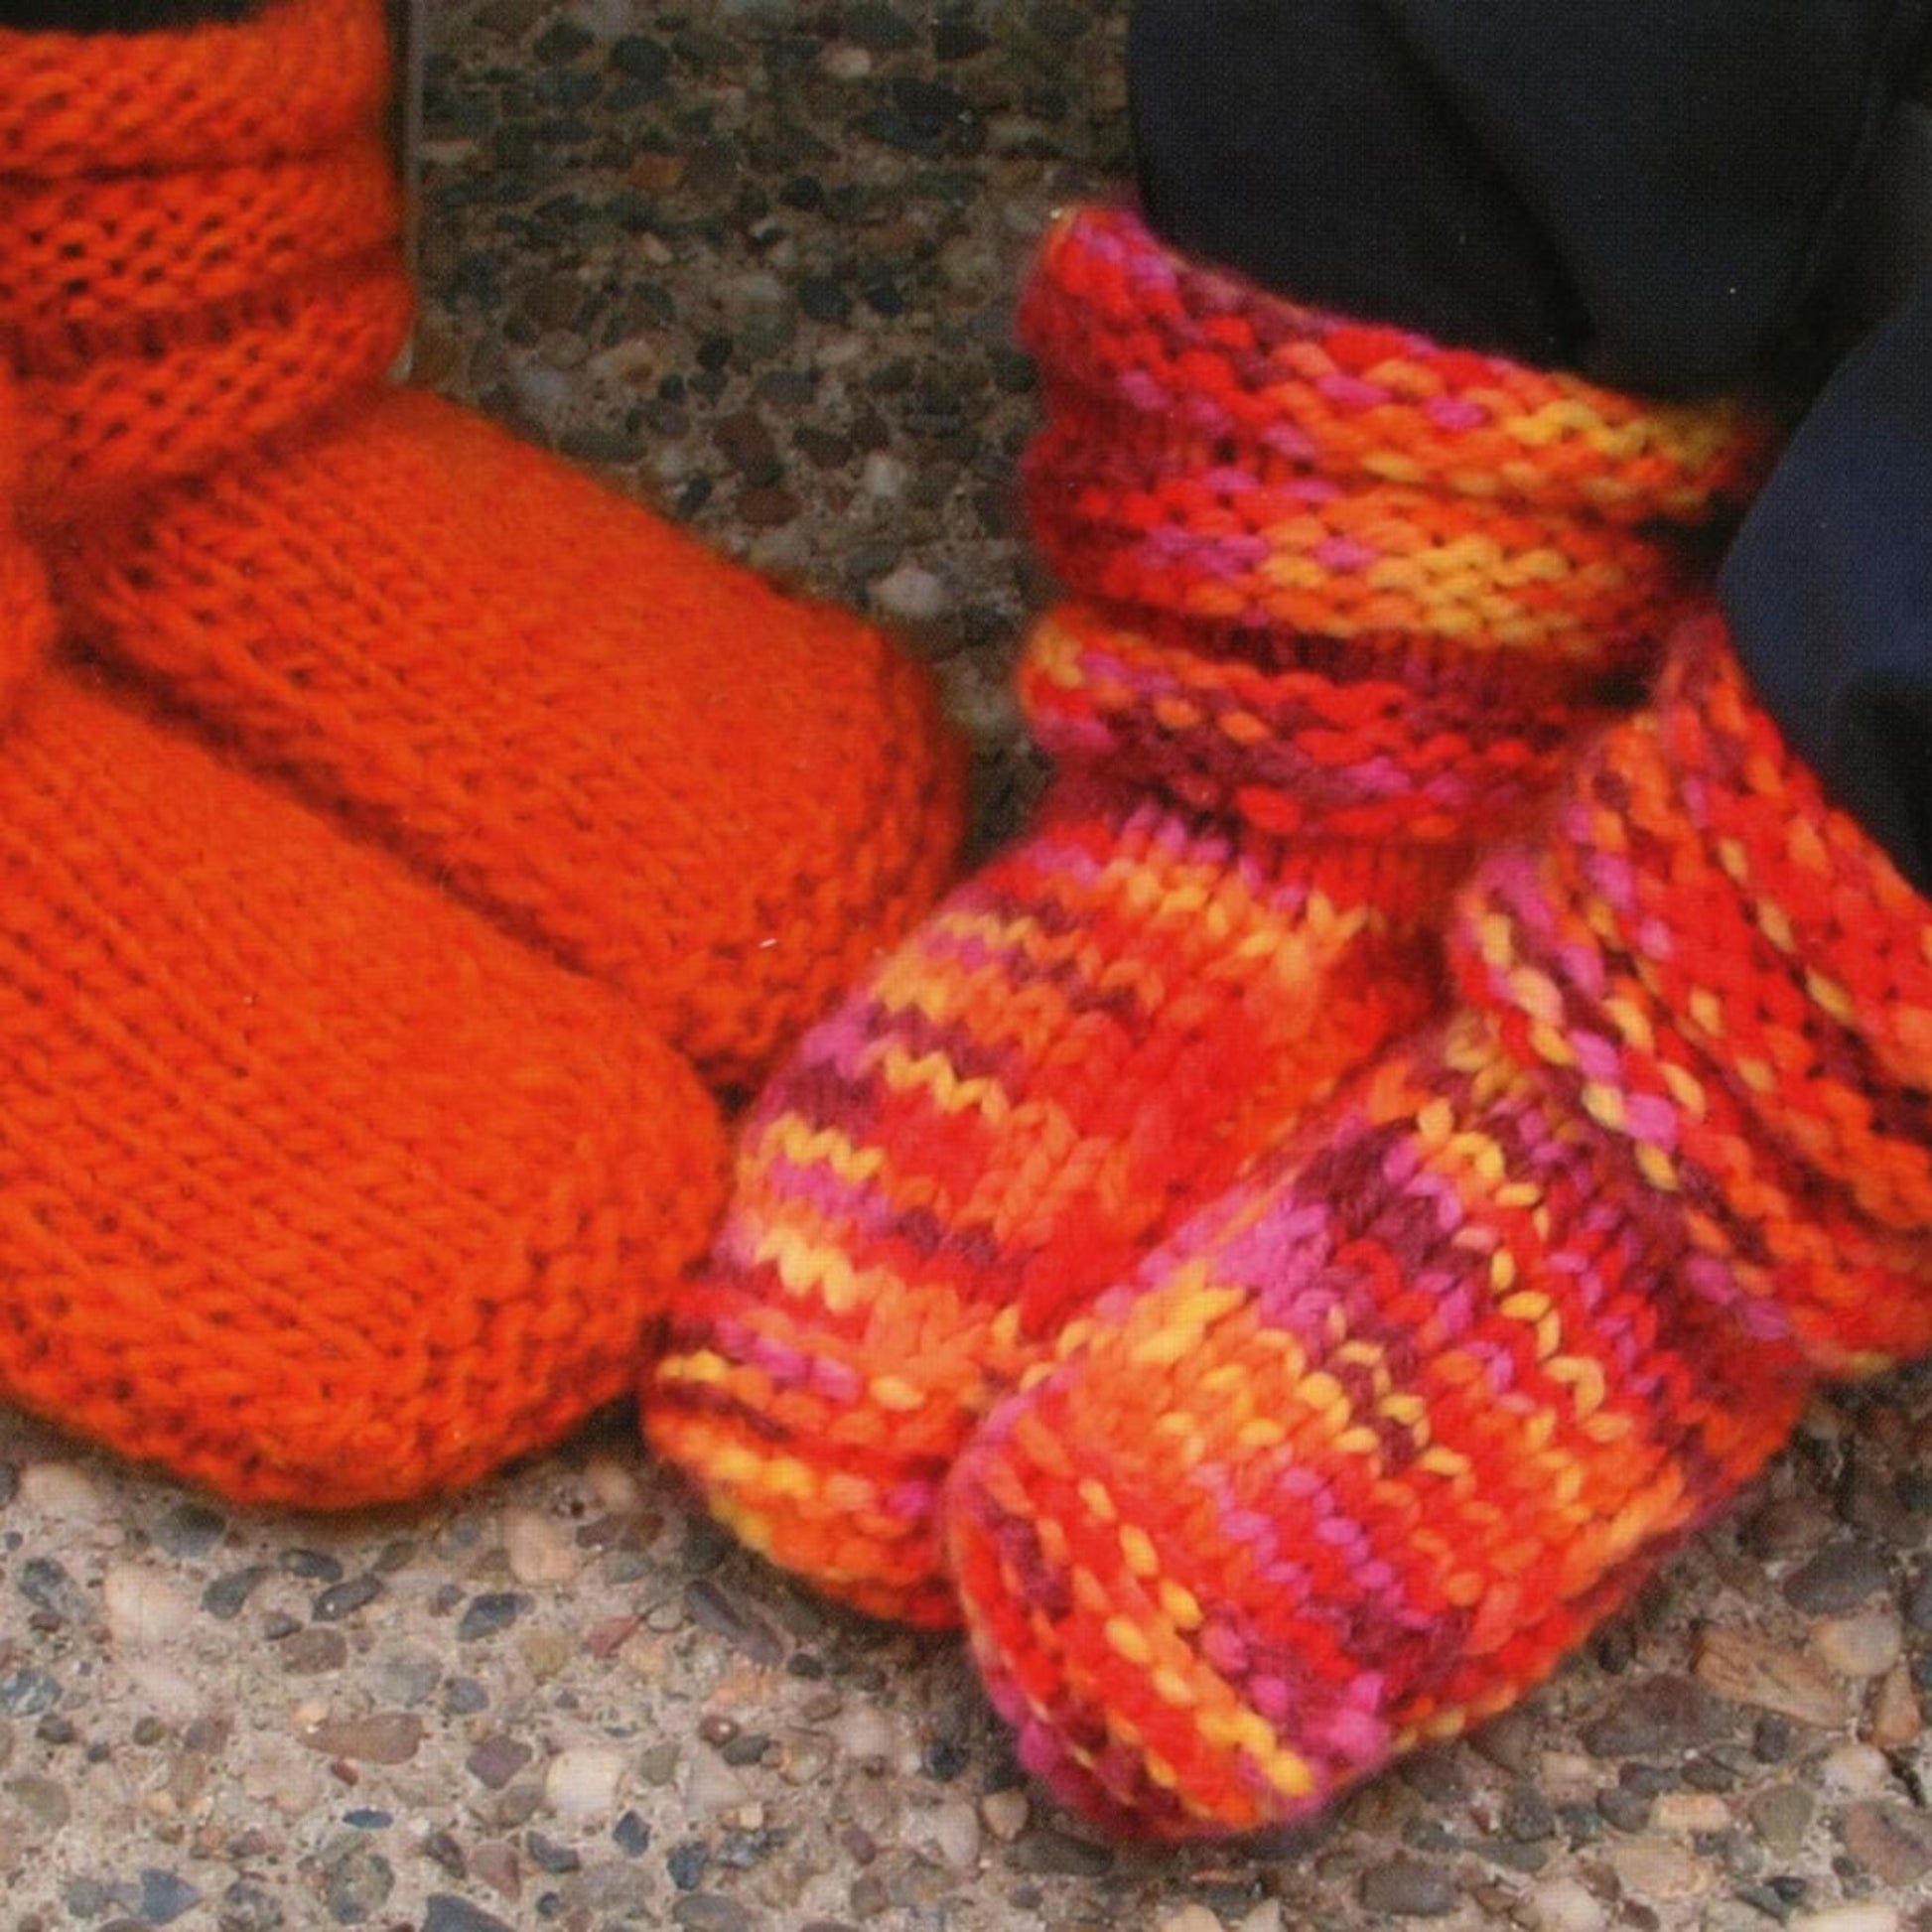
1340,601
1382,1432
313,1186
718,799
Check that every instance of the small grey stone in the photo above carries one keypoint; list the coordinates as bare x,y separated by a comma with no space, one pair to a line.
356,1881
631,1835
548,1856
1628,1811
1409,1889
1781,1814
345,1598
248,1907
711,1911
1528,1859
463,1697
1527,1816
494,1612
404,1681
1054,1854
823,297
1841,1576
878,28
641,58
50,1588
448,1913
165,1898
189,1530
711,1610
1660,1717
27,1693
1436,1776
442,1850
225,1596
313,1566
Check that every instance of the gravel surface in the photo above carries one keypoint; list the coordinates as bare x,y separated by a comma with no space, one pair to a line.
758,260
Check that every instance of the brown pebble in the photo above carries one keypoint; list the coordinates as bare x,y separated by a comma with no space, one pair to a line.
1891,1841
309,1652
497,1759
496,1864
1787,1526
1770,1676
766,507
1895,1720
388,1737
607,1639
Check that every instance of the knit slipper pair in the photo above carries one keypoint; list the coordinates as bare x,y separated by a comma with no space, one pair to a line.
1261,1439
326,1173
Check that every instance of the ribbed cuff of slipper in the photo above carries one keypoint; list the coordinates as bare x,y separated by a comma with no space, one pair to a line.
1353,571
198,240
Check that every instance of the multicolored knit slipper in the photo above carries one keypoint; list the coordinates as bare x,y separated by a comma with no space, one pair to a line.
1342,600
1386,1430
720,799
313,1186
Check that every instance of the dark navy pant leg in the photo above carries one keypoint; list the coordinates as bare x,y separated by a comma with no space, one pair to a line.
1645,189
1829,586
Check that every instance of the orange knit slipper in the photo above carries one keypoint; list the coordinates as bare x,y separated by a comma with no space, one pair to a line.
313,1186
718,799
1342,600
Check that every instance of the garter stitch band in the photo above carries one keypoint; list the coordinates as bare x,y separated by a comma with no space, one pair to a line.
1340,601
313,1186
718,799
1381,1434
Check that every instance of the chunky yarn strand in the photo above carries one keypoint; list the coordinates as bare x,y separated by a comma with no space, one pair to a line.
1382,1432
1340,601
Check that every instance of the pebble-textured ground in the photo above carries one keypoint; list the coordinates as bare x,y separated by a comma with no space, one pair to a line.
757,259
